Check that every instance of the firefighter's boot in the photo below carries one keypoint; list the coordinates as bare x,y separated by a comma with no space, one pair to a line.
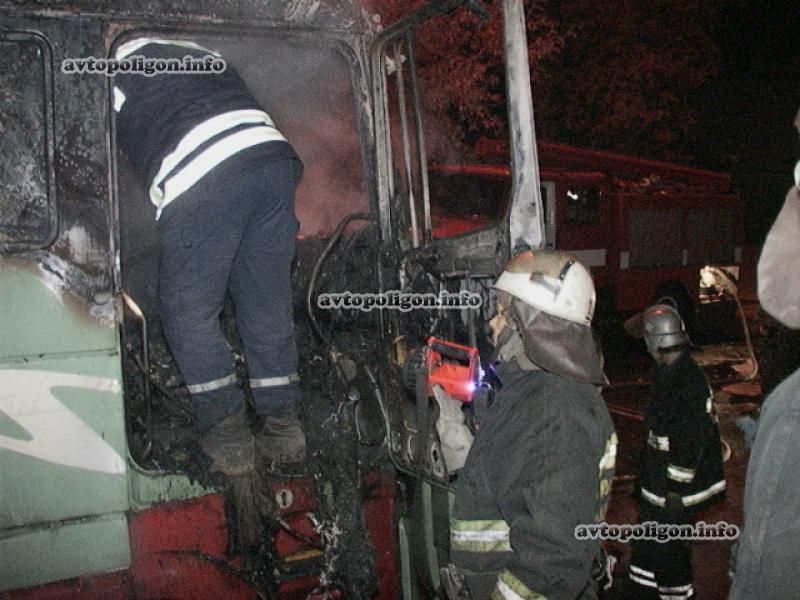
230,445
281,440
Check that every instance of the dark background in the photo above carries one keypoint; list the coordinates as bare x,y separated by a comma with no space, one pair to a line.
749,107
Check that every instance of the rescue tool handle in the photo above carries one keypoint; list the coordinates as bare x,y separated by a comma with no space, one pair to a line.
451,350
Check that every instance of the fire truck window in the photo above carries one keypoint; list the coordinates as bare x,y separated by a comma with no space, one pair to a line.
27,208
467,196
709,236
464,202
583,206
655,238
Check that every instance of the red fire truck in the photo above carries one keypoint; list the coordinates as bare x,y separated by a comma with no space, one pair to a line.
644,227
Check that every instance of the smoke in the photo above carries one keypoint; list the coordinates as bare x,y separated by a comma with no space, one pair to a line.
308,91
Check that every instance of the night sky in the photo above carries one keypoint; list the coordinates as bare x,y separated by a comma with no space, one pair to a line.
752,103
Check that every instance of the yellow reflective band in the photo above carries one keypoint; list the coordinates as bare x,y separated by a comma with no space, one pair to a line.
609,460
480,536
510,588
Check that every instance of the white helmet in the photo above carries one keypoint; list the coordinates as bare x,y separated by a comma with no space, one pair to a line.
552,282
663,328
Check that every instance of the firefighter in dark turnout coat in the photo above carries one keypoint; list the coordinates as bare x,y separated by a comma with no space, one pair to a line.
222,178
543,458
682,468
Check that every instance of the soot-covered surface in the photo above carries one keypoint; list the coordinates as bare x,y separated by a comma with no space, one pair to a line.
340,416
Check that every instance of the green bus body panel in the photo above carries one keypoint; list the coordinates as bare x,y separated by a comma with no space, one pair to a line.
62,440
148,488
73,549
63,455
38,317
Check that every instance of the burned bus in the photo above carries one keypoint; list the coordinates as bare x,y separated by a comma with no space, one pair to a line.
103,489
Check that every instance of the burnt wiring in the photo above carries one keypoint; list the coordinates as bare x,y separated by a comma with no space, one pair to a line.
344,276
175,405
312,285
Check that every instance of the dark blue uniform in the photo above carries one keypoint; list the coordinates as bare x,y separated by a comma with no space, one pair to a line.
222,178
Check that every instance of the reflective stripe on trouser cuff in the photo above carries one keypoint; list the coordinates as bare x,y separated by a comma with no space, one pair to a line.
654,498
479,536
680,474
642,577
705,494
686,500
510,588
676,592
265,382
210,386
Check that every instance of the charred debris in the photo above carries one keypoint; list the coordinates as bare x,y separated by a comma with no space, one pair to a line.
352,384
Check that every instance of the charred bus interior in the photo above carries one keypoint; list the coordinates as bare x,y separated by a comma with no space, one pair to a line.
362,412
309,89
369,511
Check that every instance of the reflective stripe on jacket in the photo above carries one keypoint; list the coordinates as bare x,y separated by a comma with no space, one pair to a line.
176,127
683,452
541,464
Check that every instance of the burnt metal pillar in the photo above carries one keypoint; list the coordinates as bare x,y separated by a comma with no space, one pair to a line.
526,221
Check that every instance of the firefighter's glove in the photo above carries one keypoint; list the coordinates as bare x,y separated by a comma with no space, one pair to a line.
454,435
453,584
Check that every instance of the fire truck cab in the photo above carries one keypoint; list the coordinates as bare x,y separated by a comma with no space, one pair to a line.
645,228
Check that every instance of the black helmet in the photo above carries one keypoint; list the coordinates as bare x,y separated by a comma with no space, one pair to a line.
663,328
